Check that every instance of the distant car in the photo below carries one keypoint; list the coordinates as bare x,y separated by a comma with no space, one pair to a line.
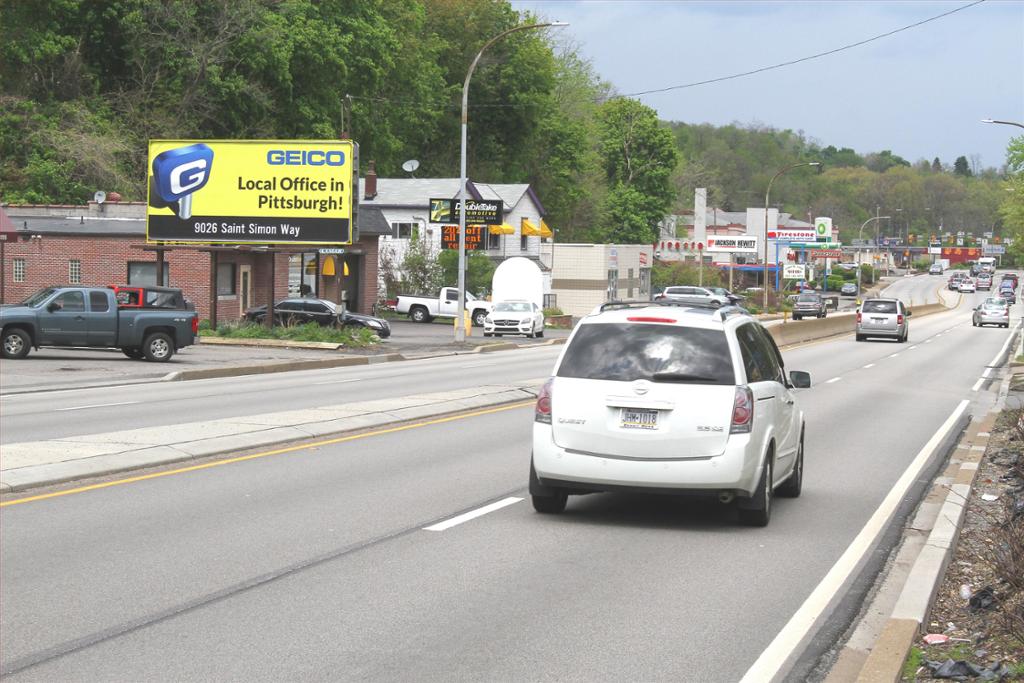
514,317
1008,294
699,295
991,314
955,279
967,285
1010,278
809,304
848,289
722,291
936,269
325,313
882,318
984,281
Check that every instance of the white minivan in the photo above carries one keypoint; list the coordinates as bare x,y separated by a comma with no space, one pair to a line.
669,398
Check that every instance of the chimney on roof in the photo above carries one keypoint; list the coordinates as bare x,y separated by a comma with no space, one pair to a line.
370,184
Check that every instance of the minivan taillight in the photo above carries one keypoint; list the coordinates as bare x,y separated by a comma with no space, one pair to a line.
858,316
899,319
542,411
742,411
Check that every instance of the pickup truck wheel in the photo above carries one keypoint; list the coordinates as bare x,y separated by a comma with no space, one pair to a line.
16,343
133,352
158,347
419,315
478,318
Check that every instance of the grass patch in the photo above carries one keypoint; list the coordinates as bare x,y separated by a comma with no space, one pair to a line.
355,337
914,662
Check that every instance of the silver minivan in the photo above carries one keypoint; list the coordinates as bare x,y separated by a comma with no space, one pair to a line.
689,294
882,318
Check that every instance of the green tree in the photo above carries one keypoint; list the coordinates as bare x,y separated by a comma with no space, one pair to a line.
420,271
961,167
638,156
479,271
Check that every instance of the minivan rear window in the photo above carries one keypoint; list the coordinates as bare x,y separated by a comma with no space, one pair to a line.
879,306
626,352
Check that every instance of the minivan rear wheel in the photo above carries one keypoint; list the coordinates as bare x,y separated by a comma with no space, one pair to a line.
546,499
758,510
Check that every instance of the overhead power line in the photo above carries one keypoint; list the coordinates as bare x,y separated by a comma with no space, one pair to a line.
804,59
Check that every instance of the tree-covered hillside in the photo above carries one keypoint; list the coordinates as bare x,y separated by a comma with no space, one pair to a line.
84,86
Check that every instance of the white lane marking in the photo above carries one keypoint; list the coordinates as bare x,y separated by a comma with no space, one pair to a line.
834,379
340,381
988,370
472,514
477,365
927,341
911,348
793,633
977,385
97,405
893,355
869,365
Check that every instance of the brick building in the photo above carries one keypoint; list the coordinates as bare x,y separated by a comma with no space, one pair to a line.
101,244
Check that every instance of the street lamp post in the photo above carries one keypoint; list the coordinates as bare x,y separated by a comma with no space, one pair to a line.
767,194
860,238
460,331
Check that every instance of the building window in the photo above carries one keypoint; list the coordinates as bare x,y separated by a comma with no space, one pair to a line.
629,283
226,279
74,272
144,273
645,282
493,241
404,230
19,270
522,243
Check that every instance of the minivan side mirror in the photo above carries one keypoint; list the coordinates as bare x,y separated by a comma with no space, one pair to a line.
52,306
800,380
910,313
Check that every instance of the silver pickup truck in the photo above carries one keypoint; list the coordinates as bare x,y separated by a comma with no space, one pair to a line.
91,317
423,309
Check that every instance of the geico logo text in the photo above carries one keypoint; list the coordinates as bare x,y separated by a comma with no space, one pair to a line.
311,157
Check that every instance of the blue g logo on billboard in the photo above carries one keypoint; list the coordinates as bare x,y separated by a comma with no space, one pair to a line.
179,173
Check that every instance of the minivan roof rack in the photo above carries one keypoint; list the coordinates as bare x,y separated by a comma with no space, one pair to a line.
722,311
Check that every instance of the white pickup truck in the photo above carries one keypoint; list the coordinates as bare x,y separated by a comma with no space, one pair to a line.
423,309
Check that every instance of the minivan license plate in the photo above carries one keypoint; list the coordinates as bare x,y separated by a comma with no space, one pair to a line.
639,418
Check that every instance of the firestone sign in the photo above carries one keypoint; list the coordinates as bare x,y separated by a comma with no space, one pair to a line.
732,245
793,235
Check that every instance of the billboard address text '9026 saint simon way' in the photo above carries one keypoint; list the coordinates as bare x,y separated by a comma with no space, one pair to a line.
252,191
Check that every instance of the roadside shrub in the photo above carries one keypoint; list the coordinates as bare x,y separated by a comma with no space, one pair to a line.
356,337
548,312
834,283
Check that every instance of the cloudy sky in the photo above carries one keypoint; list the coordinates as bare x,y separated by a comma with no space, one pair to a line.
920,92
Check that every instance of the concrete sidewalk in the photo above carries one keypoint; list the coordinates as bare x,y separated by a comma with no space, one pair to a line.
41,463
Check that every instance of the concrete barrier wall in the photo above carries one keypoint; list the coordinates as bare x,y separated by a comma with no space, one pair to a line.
799,332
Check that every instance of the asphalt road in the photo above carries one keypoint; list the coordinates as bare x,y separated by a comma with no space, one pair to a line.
919,289
315,564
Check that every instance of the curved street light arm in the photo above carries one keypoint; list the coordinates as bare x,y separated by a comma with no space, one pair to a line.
1005,123
767,194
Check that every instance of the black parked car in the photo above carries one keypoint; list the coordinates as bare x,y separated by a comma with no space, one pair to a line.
321,311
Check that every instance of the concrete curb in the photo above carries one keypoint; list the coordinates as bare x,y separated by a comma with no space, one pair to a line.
96,455
904,626
276,343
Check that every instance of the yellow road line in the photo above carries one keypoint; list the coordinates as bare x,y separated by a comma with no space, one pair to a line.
264,454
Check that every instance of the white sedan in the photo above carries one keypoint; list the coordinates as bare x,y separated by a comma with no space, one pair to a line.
516,316
968,286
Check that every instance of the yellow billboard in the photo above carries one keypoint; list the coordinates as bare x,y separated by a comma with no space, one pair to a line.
252,191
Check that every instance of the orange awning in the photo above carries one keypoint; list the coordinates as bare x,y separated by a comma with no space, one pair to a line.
529,229
503,229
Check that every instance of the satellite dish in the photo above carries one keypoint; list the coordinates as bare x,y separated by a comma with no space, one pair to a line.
410,166
100,196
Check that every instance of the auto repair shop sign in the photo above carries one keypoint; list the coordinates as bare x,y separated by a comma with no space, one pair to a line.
252,191
732,245
478,211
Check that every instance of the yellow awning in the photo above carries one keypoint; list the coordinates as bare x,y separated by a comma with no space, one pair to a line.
327,266
503,229
545,231
529,229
